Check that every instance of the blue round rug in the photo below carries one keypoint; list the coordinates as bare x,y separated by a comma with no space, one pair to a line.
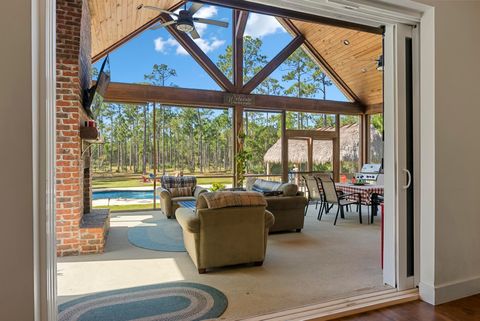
163,235
169,301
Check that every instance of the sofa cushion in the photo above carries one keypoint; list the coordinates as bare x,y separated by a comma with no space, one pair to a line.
262,185
180,191
232,199
289,189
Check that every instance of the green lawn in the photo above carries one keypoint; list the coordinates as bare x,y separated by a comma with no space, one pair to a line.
135,180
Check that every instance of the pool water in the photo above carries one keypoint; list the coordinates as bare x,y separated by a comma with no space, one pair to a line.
98,195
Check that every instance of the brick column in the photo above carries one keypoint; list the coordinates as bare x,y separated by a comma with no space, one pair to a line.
73,75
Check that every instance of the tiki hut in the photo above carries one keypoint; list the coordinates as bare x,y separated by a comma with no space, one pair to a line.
323,150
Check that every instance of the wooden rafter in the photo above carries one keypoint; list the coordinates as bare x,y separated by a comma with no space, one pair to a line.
133,34
310,49
273,64
141,94
200,57
239,23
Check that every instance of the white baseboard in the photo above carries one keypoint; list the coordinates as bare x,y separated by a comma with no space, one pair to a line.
449,291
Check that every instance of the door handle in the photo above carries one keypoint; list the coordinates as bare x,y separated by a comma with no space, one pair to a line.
409,178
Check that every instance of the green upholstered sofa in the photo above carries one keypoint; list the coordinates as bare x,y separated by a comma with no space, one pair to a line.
224,236
287,207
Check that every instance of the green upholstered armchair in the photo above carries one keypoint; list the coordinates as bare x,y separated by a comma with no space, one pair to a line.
175,189
225,236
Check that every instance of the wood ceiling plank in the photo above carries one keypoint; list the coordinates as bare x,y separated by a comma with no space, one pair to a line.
355,64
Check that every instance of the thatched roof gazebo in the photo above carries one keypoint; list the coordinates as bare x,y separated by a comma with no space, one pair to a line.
323,149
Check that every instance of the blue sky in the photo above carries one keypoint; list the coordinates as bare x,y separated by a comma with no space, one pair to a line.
133,60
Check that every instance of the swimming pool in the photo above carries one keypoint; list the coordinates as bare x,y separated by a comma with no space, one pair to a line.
122,194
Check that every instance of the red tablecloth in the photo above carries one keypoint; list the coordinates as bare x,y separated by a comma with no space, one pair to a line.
365,191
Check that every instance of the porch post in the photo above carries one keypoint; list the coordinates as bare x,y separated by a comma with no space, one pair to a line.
310,154
155,155
363,131
336,150
237,144
284,141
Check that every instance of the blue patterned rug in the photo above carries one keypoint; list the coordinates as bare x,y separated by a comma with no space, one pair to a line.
169,301
163,235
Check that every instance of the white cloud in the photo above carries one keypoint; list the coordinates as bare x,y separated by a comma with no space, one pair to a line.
259,26
207,46
160,44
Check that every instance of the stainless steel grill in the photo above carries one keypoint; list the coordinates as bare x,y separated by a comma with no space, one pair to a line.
370,173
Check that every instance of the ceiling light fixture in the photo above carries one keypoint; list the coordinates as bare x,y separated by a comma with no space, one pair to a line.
185,25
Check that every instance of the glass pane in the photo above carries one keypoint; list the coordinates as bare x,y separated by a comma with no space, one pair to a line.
322,156
297,120
300,76
376,141
349,145
262,142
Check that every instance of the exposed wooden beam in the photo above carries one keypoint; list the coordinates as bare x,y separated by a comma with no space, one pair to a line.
290,14
241,23
141,94
284,142
374,109
318,58
312,134
133,34
200,57
273,64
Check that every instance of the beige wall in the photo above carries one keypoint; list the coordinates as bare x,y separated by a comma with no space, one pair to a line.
457,149
16,185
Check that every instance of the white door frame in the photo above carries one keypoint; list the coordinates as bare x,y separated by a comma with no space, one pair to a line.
43,60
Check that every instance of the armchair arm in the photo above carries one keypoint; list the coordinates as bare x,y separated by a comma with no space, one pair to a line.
269,219
199,190
165,201
163,193
188,220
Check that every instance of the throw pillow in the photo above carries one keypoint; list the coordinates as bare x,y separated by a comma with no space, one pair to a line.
289,189
180,191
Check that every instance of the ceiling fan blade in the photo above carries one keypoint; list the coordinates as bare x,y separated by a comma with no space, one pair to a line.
162,25
194,34
194,8
158,9
212,22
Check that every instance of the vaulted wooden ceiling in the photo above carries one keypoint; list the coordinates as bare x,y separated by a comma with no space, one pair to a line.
351,54
352,67
116,20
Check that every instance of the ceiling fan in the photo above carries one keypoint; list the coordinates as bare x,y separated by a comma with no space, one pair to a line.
185,19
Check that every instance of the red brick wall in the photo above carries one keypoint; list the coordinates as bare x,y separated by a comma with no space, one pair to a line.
73,74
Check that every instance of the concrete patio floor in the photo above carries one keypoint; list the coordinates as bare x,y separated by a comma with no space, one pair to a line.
322,263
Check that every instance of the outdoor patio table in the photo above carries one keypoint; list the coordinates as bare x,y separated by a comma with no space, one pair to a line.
365,191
